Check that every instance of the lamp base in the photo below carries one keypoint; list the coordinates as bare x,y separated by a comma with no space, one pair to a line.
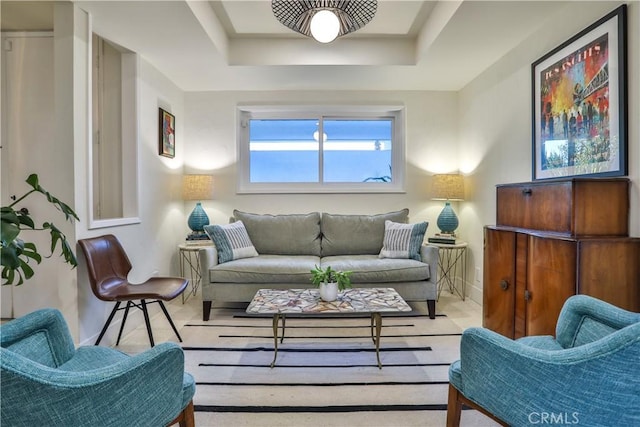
447,220
198,218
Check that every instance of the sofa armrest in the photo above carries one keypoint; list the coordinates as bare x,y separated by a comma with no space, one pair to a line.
42,336
208,259
430,255
584,319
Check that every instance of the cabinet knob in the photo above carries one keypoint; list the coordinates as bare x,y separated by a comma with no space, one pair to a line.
504,285
526,191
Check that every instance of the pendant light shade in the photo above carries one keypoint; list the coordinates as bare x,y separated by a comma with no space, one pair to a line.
324,20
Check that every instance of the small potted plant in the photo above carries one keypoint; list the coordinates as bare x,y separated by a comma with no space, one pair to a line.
330,281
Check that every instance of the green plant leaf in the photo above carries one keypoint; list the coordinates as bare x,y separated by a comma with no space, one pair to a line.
8,233
8,275
65,248
61,206
26,269
8,215
32,180
9,255
31,251
26,220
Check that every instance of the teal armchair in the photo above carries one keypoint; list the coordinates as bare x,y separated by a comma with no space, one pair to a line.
47,381
589,374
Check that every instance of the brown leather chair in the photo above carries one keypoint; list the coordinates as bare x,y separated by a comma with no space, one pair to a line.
108,267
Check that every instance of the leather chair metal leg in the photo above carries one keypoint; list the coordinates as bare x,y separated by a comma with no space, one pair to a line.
143,304
124,320
166,313
106,325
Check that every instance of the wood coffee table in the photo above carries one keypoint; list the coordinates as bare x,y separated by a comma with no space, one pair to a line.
372,301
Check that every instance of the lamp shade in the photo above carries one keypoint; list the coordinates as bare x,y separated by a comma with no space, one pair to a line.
447,187
197,187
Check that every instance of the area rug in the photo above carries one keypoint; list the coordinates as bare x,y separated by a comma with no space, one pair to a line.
326,371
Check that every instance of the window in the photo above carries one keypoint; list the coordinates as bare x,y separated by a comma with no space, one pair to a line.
355,149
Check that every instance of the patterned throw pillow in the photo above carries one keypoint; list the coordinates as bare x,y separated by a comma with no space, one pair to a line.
403,240
232,241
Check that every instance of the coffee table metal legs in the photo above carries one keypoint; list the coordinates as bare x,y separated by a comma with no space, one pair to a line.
276,321
376,325
376,320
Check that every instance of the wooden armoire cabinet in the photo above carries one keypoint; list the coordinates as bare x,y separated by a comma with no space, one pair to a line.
554,239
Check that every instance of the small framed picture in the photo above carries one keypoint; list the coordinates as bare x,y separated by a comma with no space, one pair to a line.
580,103
167,135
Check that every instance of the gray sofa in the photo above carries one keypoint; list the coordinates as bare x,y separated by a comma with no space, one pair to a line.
289,246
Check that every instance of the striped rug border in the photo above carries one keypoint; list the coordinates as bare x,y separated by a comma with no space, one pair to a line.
321,409
332,384
308,350
369,365
338,337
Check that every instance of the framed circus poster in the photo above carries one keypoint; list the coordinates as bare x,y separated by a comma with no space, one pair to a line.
167,137
580,104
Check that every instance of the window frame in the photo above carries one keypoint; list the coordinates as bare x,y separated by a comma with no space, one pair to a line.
129,129
326,112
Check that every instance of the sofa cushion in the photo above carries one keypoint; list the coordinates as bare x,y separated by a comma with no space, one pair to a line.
403,240
231,240
356,234
296,234
372,269
266,269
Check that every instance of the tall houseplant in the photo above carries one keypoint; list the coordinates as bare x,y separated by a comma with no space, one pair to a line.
16,253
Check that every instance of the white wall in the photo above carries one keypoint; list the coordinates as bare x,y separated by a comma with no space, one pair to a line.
28,98
495,121
431,135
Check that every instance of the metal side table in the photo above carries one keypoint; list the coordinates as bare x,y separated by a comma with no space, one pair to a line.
452,260
190,260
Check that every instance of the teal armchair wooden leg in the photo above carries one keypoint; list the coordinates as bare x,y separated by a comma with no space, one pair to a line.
186,417
454,408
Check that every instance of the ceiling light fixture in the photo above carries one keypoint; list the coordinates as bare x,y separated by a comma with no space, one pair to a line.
324,20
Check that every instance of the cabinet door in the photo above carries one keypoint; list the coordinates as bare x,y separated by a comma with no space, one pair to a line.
609,269
499,281
551,279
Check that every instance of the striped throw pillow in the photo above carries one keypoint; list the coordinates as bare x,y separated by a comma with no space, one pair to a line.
403,240
232,241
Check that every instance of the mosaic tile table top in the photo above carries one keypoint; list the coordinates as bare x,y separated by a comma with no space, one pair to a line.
360,300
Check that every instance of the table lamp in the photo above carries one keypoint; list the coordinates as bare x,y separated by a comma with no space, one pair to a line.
197,187
448,187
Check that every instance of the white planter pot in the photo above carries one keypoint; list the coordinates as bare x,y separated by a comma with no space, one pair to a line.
328,291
